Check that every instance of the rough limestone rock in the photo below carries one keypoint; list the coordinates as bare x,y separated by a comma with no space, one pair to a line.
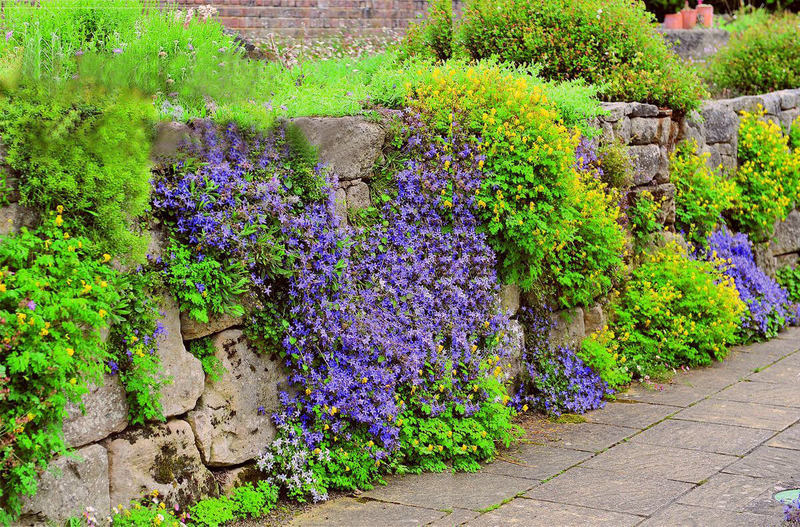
350,146
160,457
340,205
69,487
568,328
516,363
192,329
721,124
594,319
648,161
787,234
169,136
106,412
645,131
236,477
229,427
358,196
184,369
15,216
510,298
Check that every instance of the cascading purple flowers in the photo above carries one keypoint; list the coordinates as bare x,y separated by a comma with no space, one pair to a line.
402,304
768,305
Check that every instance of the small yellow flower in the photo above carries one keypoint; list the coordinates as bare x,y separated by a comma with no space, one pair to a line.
106,257
102,313
70,352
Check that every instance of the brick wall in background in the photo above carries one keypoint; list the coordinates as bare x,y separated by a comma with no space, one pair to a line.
296,18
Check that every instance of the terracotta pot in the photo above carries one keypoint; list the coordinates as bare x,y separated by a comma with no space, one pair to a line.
705,14
673,21
689,18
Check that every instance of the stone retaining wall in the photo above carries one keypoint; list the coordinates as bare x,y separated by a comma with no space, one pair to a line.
214,430
695,45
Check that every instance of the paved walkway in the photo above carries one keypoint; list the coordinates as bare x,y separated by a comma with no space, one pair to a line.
710,450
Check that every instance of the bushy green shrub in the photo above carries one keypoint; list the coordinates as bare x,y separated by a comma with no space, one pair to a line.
611,43
616,164
643,215
601,351
533,202
768,177
701,194
56,297
432,36
764,57
85,149
674,311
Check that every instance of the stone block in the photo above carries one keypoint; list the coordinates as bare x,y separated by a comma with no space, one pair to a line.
568,328
516,361
594,319
786,237
69,486
160,457
510,298
721,124
645,131
184,369
340,205
106,412
15,216
787,118
639,109
170,135
615,110
236,477
788,99
648,160
622,130
349,146
358,196
232,420
192,329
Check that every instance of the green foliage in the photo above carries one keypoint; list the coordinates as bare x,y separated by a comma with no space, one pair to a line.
433,36
794,134
610,43
204,350
134,342
768,177
56,297
451,438
532,202
763,57
674,311
616,165
701,194
204,287
601,352
789,278
86,149
644,217
746,18
249,501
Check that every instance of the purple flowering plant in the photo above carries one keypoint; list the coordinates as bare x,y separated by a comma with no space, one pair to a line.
769,308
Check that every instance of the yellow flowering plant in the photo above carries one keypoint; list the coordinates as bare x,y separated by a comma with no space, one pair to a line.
548,223
674,311
702,195
768,177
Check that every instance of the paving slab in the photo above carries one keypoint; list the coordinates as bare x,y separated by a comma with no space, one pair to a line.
591,437
766,502
763,393
789,438
630,414
688,516
534,513
365,513
775,348
457,517
629,493
768,462
708,437
791,334
750,415
731,492
678,393
786,371
660,462
446,490
535,462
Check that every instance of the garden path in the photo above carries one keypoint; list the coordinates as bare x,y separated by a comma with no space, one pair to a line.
709,449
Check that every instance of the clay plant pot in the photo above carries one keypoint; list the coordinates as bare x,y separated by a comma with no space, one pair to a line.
673,21
705,15
689,18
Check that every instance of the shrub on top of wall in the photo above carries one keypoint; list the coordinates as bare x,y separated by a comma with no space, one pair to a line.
762,58
611,43
86,149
